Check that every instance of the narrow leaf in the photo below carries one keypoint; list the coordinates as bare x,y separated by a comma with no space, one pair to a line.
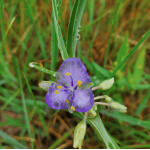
145,36
60,40
126,118
101,132
142,104
11,141
74,24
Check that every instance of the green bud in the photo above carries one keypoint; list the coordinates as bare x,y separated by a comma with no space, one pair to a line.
79,134
119,107
108,99
106,84
95,107
45,85
86,85
91,113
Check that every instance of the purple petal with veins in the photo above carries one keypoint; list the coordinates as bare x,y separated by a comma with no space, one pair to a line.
66,93
75,67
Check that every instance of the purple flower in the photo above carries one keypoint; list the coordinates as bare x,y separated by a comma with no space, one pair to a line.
71,92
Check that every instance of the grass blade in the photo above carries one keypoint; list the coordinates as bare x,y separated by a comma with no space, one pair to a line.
129,119
36,105
91,10
143,104
139,68
54,46
102,72
145,36
11,141
23,98
101,132
39,36
112,28
10,100
74,24
60,40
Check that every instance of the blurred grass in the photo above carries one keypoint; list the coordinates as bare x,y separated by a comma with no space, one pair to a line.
110,32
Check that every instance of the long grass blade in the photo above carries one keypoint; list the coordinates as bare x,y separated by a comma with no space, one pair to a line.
145,36
101,132
23,98
11,141
54,46
74,24
142,104
129,119
60,40
36,105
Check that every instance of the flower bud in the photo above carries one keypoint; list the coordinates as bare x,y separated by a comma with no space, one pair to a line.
79,134
91,113
119,107
106,84
108,99
45,85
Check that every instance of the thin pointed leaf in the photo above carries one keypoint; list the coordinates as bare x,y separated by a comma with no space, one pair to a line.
60,40
11,141
145,36
74,24
126,118
101,132
142,104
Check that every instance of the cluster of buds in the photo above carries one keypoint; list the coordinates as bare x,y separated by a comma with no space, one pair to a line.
105,85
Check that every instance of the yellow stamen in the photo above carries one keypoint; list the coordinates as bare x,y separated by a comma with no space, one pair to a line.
56,92
68,74
59,87
67,101
79,83
72,108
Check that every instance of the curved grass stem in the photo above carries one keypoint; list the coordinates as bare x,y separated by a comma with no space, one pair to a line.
34,65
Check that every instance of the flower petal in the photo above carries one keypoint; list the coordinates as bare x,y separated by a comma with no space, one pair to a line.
71,72
57,96
83,100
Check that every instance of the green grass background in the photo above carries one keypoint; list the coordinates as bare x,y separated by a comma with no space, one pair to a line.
110,43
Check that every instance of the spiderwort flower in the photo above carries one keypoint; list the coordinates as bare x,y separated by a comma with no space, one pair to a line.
71,92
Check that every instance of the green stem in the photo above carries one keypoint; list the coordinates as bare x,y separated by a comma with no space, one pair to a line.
33,65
